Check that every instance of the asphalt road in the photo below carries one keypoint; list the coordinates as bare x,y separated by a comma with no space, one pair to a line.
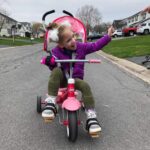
122,104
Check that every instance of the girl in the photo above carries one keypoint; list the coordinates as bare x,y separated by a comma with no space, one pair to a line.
68,48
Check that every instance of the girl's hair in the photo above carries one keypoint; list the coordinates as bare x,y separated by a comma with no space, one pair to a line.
60,30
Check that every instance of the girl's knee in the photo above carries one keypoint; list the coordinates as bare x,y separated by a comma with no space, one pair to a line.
85,86
56,72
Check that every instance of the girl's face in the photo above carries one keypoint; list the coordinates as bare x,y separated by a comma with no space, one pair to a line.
69,41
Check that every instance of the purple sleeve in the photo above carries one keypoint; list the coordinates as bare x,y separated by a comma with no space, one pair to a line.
91,47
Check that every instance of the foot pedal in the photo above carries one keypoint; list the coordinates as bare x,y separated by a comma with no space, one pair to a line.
95,134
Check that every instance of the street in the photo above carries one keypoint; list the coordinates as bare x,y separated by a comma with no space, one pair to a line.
122,104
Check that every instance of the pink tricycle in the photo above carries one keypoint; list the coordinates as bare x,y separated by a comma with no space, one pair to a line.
68,103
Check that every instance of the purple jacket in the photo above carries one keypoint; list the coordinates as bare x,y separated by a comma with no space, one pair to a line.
80,53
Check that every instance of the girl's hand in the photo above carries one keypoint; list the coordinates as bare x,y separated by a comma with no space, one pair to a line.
110,31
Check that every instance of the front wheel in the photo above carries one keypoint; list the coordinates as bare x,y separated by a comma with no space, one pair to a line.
72,127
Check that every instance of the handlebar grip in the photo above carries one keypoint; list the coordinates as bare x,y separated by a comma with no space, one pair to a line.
47,13
94,61
68,13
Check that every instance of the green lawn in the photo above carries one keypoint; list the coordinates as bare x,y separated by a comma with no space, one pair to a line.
19,41
123,48
129,47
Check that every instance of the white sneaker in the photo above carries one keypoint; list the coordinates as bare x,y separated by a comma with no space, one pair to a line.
50,109
92,124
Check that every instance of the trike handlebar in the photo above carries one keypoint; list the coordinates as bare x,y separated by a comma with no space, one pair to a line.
78,60
43,60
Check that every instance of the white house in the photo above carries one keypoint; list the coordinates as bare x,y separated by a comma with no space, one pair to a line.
9,26
138,18
133,20
24,29
5,25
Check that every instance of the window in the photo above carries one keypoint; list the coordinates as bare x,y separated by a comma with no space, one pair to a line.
144,16
136,18
144,24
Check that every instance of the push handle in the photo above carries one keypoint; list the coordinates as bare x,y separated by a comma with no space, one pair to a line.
68,13
47,13
44,16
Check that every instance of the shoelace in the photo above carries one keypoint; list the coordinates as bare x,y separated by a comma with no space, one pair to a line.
91,114
50,100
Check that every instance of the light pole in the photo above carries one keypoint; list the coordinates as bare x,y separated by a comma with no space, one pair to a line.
13,30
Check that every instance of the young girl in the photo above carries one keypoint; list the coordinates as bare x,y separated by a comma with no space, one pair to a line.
68,48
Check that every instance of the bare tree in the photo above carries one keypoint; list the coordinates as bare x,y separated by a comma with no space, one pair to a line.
4,12
36,27
90,16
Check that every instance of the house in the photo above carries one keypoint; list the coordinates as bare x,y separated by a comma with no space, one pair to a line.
133,20
9,26
138,18
5,25
24,29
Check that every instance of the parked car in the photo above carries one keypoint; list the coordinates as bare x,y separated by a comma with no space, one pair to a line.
94,37
129,31
117,33
144,28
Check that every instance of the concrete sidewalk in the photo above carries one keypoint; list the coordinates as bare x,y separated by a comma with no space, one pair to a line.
135,69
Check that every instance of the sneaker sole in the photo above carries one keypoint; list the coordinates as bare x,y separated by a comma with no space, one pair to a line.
48,119
95,134
95,130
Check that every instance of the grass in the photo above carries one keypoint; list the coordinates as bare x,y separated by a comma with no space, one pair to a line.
123,48
19,41
129,47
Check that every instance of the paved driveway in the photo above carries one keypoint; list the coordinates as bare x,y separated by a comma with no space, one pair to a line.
122,104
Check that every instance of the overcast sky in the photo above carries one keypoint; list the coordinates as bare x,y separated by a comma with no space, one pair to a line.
32,10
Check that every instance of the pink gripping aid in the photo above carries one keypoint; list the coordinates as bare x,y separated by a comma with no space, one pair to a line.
43,60
52,60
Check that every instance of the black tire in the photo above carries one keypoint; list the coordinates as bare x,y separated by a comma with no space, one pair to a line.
131,33
39,106
115,36
146,31
72,128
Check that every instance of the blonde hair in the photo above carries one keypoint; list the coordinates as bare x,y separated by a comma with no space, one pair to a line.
59,30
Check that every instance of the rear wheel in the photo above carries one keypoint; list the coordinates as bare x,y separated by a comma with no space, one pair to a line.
72,128
39,106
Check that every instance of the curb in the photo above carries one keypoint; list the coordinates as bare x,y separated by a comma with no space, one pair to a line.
134,69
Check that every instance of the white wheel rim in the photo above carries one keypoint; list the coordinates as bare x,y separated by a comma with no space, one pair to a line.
67,126
67,131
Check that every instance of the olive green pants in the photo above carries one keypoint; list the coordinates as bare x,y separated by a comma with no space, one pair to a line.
57,80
